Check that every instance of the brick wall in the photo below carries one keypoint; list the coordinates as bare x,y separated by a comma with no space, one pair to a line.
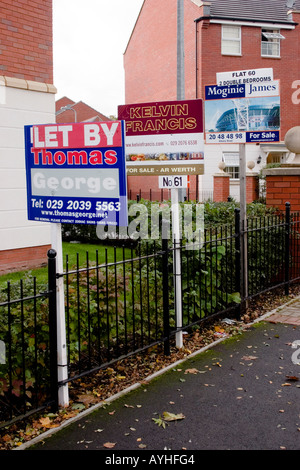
26,40
221,187
252,188
281,189
23,258
150,59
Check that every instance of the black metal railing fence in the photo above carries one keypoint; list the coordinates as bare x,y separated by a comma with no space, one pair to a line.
118,308
28,362
114,308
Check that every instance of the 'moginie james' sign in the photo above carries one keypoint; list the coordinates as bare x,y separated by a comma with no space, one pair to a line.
76,173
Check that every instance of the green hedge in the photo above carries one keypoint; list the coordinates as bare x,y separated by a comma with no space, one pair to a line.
214,214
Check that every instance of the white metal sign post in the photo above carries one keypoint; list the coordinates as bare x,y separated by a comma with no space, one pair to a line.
175,191
177,264
62,368
243,218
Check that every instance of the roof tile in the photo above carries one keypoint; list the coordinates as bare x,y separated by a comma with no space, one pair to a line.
255,10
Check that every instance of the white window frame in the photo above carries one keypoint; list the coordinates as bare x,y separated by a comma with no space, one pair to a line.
232,162
228,40
270,37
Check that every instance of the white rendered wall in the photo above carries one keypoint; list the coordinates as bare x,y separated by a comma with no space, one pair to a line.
19,107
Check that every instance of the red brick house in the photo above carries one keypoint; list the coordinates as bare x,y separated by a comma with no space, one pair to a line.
219,36
69,111
27,96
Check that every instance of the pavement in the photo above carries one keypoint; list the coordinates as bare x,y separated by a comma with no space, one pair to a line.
241,393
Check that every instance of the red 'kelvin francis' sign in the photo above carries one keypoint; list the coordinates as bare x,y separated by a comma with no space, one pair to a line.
164,117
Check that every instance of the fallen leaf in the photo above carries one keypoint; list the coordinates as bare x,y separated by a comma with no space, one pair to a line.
142,446
219,330
292,377
78,406
87,399
191,371
46,423
249,358
160,422
171,416
72,414
109,445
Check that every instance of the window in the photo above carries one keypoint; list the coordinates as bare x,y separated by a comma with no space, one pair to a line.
275,158
232,162
231,40
270,42
233,171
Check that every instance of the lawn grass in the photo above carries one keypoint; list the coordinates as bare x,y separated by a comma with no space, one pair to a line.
70,249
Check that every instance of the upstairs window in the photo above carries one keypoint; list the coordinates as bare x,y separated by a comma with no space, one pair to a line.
270,42
231,40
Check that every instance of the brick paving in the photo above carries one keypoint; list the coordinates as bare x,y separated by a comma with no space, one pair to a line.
289,314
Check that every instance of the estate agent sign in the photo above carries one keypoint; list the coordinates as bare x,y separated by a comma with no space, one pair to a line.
246,112
76,173
164,137
237,77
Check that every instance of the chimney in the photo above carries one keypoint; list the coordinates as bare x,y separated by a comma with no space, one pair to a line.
206,6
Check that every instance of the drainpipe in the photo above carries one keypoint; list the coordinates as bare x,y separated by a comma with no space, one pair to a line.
196,23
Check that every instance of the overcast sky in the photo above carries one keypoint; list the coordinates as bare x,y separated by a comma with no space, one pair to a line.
90,37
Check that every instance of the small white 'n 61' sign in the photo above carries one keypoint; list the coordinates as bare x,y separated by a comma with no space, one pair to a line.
171,182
